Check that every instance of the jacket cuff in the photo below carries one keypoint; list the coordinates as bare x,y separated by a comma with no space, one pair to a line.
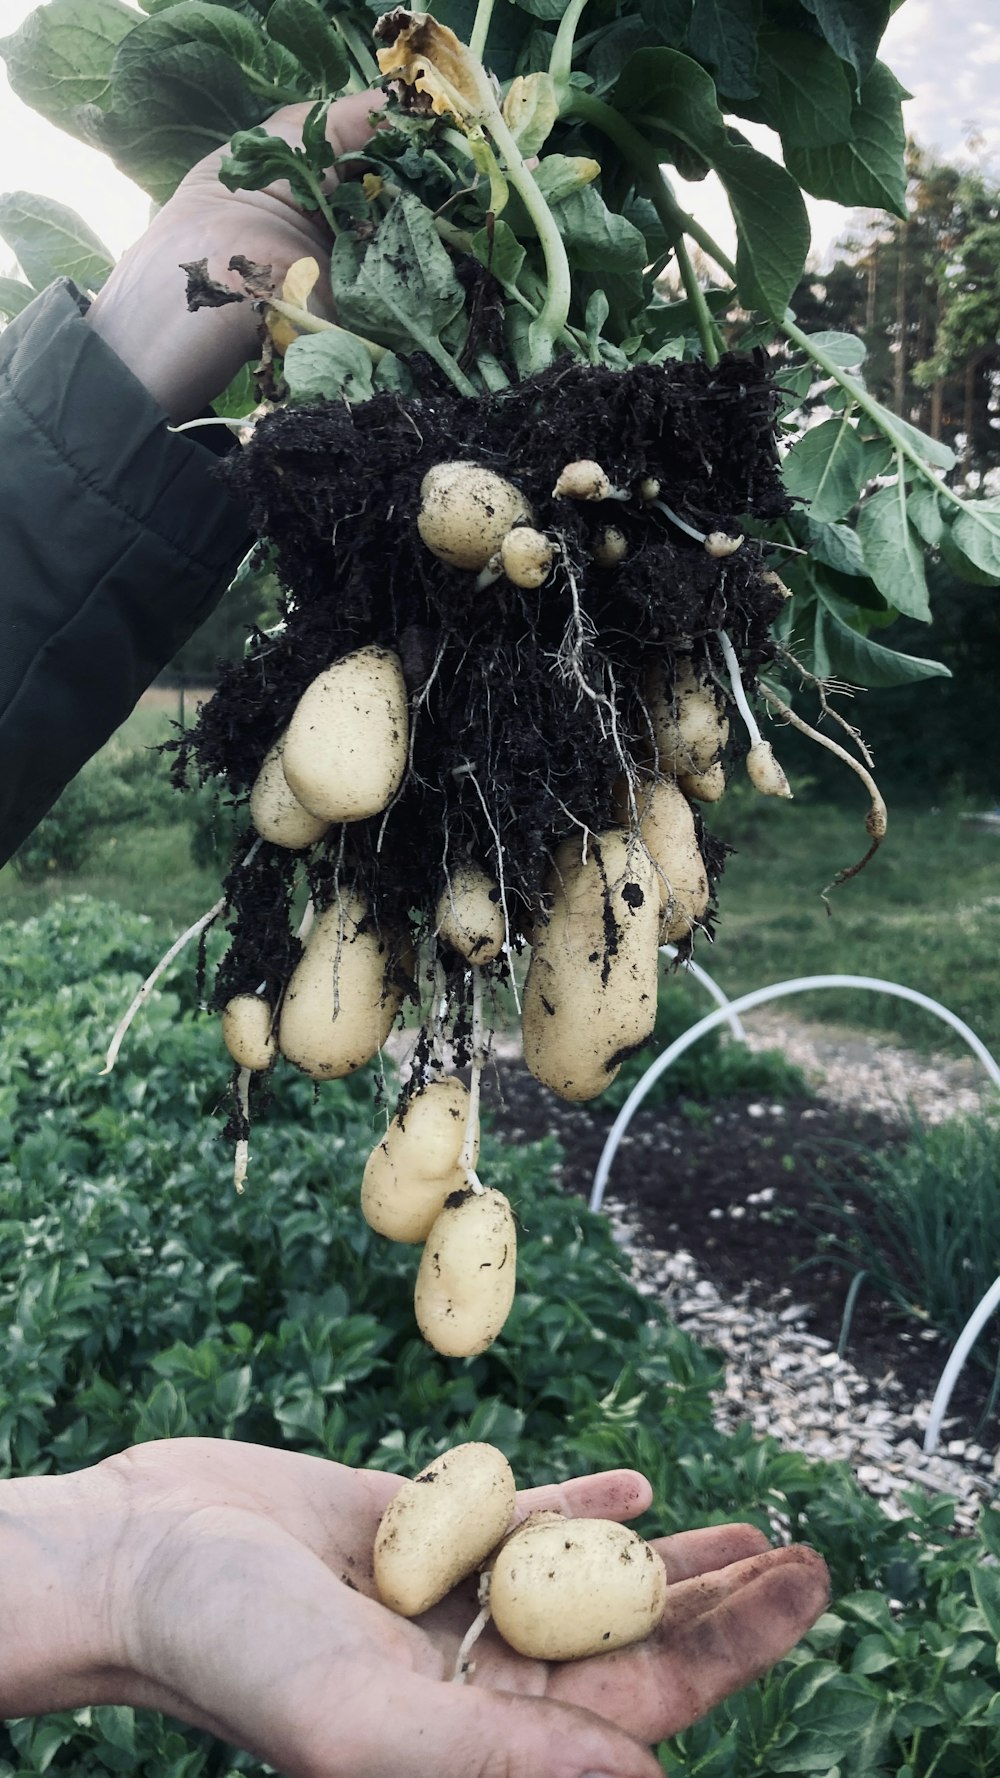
119,541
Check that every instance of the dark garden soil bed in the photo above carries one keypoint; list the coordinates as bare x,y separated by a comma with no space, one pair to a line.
685,1168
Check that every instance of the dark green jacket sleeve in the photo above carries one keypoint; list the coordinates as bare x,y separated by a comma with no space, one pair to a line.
116,541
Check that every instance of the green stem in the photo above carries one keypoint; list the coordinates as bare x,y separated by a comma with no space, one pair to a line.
358,48
481,28
492,373
315,186
707,330
561,59
555,309
429,343
309,323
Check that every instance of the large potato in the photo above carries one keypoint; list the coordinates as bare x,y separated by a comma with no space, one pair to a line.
339,1006
590,993
441,1527
564,1589
275,810
346,747
416,1165
469,915
689,728
465,1284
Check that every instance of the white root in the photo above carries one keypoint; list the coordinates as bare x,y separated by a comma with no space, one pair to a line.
149,984
877,819
763,768
466,771
464,1668
479,1054
242,1159
579,632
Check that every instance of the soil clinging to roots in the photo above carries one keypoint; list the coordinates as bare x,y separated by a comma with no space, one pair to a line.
522,702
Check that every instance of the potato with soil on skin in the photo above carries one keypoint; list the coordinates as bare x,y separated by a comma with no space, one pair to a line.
339,1005
666,824
345,751
416,1165
466,512
689,727
275,810
590,993
441,1526
247,1032
465,1284
469,914
562,1589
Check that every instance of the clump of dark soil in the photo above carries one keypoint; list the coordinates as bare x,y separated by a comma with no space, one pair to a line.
685,1167
523,703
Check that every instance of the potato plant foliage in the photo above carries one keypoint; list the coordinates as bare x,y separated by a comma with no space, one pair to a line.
540,551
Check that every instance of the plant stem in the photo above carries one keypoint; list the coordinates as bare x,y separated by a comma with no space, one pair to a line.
315,186
708,333
358,48
308,323
481,28
561,59
555,309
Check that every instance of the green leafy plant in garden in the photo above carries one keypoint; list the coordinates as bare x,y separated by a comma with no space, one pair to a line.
141,1300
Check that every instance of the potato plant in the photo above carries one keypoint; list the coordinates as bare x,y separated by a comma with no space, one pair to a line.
543,537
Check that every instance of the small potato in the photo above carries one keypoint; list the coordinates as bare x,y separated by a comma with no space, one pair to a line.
465,1284
275,810
467,511
689,728
765,771
704,787
400,1203
247,1032
526,556
346,747
590,993
338,1008
441,1527
666,824
416,1165
469,915
567,1589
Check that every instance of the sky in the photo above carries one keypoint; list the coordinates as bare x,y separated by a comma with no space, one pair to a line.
946,52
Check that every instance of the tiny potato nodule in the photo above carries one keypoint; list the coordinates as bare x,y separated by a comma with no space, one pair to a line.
442,1526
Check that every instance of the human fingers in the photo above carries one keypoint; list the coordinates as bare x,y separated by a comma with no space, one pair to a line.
610,1494
715,1638
713,1546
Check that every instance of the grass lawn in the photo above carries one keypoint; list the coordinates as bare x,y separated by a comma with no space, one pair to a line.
925,912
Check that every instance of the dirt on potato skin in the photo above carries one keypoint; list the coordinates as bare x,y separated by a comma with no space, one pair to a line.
522,702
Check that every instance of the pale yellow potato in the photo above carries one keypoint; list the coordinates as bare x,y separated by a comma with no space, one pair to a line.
440,1527
563,1590
431,1129
469,914
247,1033
400,1203
346,746
467,511
689,728
465,1284
666,823
765,772
275,810
526,556
590,993
704,787
339,1007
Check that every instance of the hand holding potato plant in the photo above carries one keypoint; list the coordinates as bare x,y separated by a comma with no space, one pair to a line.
535,546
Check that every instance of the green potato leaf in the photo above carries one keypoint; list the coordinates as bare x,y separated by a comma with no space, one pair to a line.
867,168
666,95
170,109
49,240
977,534
723,33
668,18
328,366
772,226
14,296
402,289
61,56
853,29
302,27
826,468
892,552
805,90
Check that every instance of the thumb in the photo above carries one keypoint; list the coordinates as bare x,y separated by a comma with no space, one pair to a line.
430,1729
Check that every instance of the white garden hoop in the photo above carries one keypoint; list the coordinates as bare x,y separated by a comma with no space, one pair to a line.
727,1012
